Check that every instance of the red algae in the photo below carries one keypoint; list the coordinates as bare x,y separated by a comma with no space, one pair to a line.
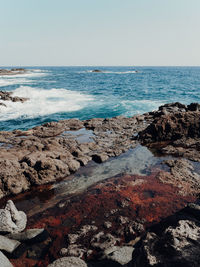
142,198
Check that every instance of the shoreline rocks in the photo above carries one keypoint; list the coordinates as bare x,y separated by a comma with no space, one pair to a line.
55,150
13,71
119,210
7,96
173,242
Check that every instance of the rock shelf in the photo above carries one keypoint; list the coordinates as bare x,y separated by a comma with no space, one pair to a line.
118,215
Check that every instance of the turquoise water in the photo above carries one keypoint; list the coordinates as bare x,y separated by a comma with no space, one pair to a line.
57,93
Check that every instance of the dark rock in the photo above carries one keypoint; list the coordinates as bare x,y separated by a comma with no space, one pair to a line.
194,107
96,71
99,158
173,242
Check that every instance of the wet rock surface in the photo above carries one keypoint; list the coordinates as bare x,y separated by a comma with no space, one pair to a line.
55,150
113,216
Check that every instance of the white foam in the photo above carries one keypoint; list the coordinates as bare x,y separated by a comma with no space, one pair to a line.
111,72
141,106
12,81
23,78
43,102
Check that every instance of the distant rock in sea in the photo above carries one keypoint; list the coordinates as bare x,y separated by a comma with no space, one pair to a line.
13,71
96,71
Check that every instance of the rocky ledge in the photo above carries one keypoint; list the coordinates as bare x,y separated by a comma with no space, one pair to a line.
54,150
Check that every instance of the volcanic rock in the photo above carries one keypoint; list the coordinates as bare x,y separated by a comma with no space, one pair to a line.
12,220
174,242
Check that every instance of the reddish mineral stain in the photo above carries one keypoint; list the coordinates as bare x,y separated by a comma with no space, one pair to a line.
142,198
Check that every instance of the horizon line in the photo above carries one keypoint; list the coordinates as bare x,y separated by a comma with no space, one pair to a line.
99,66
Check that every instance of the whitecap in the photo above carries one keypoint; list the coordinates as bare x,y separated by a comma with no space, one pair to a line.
43,102
111,72
12,81
133,107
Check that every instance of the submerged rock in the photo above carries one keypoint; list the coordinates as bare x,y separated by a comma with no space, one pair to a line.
12,220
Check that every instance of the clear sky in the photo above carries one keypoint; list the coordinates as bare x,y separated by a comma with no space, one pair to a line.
99,32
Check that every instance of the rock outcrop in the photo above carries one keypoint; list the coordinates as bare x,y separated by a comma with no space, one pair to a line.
55,150
174,241
7,96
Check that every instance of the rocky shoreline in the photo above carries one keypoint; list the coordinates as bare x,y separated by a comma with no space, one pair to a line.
13,71
124,210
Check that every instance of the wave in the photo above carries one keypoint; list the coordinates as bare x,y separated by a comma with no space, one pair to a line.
133,107
43,102
111,72
13,81
24,78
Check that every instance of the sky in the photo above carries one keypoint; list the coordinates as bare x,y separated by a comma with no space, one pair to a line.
98,33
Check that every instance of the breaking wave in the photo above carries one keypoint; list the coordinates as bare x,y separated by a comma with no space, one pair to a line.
43,102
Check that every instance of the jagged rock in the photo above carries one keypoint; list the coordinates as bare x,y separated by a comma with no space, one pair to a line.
193,107
4,262
68,262
7,96
73,251
103,241
12,220
177,245
172,127
107,225
7,244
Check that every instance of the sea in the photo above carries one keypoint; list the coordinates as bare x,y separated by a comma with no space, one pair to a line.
58,93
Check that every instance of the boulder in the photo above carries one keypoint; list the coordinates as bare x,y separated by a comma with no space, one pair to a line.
12,220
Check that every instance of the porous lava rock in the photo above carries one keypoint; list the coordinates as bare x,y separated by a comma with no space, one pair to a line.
173,242
12,220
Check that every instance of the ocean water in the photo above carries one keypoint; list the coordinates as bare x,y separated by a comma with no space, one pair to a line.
58,93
